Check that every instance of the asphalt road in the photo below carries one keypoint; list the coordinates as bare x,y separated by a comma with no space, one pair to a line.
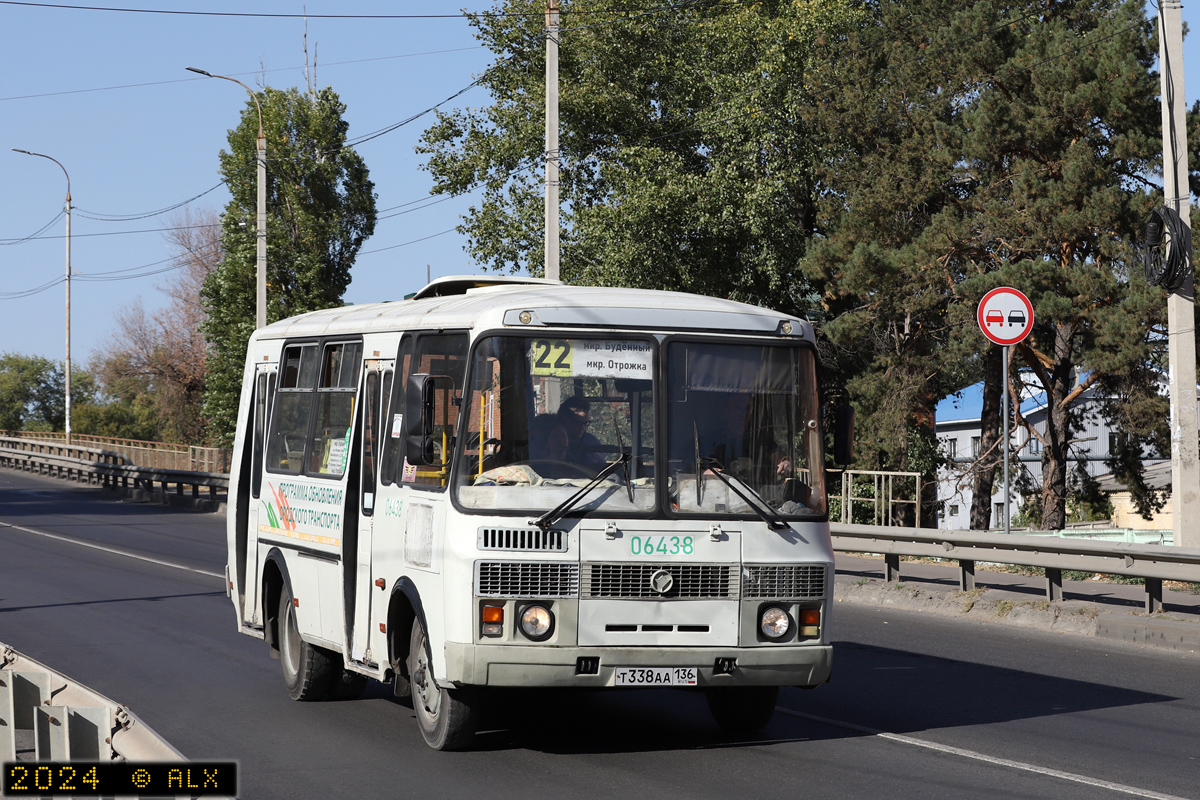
919,706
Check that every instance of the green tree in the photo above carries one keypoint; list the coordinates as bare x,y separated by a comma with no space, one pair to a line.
986,146
320,210
686,159
32,392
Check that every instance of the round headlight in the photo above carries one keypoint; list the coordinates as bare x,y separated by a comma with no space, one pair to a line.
537,623
775,623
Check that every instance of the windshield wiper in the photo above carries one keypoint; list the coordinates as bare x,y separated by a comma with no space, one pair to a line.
562,509
771,516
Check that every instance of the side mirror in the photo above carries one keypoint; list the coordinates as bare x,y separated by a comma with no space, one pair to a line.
843,435
420,417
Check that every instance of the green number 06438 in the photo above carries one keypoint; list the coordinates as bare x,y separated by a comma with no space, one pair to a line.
661,545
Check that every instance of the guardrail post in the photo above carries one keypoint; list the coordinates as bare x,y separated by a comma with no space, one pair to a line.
1154,603
1054,584
63,733
966,575
891,568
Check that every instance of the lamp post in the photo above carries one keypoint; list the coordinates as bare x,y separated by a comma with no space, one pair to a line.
261,280
67,366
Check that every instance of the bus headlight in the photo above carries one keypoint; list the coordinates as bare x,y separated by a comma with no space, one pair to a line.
775,623
537,623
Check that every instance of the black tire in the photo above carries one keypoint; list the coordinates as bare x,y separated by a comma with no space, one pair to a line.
446,717
742,709
308,670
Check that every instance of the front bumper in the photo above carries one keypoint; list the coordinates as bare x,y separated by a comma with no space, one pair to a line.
524,666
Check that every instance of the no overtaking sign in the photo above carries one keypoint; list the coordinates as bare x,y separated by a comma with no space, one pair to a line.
1005,316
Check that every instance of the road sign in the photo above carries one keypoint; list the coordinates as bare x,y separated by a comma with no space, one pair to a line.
1005,316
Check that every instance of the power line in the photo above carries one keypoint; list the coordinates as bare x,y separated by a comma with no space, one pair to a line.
406,244
96,215
237,74
261,15
34,235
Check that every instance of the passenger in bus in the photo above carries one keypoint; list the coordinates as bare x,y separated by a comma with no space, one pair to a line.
575,415
727,440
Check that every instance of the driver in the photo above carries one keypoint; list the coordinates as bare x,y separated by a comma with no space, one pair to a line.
583,448
548,439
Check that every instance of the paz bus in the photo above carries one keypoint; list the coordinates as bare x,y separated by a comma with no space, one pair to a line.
512,482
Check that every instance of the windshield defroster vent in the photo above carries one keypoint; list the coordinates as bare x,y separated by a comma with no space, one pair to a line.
526,540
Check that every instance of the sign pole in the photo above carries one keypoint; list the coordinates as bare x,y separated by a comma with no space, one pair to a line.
1005,316
1004,415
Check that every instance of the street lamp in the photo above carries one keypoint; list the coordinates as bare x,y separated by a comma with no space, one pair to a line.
67,370
261,294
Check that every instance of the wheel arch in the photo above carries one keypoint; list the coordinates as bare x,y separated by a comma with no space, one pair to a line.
404,606
275,580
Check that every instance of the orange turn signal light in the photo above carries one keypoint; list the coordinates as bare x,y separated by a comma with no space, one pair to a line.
493,613
810,616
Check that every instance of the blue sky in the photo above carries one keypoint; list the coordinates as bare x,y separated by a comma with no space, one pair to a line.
154,142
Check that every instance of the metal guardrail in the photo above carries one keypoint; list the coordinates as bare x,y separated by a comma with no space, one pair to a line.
107,468
1153,562
66,721
155,455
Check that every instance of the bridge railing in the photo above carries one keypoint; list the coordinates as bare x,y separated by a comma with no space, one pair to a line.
1152,562
155,455
108,468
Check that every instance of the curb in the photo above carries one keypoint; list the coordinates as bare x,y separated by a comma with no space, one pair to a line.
986,605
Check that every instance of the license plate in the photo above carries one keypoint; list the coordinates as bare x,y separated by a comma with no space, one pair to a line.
654,676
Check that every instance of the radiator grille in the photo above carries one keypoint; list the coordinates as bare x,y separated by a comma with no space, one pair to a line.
690,581
526,579
530,540
784,581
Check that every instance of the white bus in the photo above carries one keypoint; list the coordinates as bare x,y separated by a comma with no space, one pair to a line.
504,482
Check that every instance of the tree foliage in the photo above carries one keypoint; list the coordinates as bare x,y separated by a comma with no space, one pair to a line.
687,161
33,395
320,210
152,370
895,159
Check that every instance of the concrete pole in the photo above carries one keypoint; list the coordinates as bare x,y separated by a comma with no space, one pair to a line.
67,370
67,364
551,156
1185,452
260,302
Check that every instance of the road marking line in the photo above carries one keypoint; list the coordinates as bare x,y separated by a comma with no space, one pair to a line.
1003,762
110,550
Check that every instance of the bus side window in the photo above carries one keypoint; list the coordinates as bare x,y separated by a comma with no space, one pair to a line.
440,354
260,424
330,450
293,408
393,451
370,438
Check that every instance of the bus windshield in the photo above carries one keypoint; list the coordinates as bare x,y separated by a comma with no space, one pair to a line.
544,416
743,430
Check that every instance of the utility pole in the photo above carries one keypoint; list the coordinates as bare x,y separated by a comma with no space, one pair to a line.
551,241
1185,452
67,364
260,301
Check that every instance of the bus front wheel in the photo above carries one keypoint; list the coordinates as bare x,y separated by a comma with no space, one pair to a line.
446,717
307,670
742,709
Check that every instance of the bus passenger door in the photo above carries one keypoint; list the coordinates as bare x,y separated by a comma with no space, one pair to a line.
264,389
376,387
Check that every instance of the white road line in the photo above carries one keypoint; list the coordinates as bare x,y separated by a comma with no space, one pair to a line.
1002,762
112,550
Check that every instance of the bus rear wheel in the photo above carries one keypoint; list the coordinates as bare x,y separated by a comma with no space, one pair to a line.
446,717
742,709
307,669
